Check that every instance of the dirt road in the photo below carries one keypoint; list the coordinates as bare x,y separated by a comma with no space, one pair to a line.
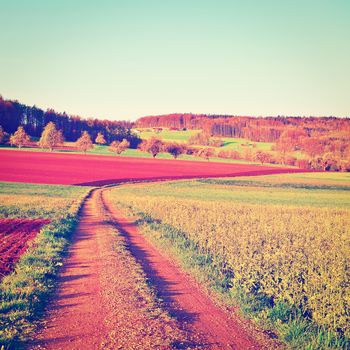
93,310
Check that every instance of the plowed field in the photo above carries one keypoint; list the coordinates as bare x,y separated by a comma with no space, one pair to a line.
90,170
14,237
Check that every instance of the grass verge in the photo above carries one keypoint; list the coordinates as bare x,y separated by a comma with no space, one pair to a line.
25,292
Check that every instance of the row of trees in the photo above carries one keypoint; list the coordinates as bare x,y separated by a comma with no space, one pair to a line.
327,161
51,137
14,114
154,146
84,143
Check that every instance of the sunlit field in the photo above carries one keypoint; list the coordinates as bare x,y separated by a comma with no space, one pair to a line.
282,240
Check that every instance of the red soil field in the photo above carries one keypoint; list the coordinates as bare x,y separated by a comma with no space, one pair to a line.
15,235
93,170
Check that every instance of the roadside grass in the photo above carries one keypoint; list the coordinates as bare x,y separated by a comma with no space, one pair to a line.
293,325
24,293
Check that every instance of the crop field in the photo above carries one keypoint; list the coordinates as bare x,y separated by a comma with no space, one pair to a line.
73,169
22,200
35,223
282,243
14,237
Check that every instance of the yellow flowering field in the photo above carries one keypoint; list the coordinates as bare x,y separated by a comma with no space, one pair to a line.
281,241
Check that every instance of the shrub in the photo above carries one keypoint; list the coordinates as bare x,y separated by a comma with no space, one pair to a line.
119,147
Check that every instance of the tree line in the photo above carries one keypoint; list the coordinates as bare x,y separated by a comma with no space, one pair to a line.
33,119
324,141
52,137
258,129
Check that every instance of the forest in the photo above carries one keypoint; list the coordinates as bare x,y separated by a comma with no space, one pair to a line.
14,114
323,141
258,129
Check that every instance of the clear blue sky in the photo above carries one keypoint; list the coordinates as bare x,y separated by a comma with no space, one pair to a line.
122,59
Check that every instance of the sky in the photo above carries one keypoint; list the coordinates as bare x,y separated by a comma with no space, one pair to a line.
123,59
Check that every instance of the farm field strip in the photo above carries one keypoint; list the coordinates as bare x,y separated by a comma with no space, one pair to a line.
280,249
72,169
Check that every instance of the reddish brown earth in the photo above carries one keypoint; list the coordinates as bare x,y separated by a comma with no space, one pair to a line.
102,302
97,170
15,234
98,307
76,317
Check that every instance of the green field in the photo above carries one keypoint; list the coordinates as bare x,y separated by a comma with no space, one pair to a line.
278,245
103,150
230,143
38,201
254,191
169,135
